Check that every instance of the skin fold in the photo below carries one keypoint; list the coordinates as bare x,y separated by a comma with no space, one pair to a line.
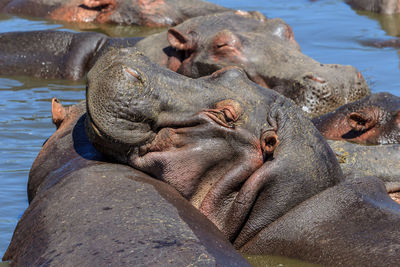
264,48
85,211
244,157
217,145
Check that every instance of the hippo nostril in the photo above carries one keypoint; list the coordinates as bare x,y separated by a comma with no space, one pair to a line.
269,142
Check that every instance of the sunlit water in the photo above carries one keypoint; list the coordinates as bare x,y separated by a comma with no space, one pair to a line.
328,31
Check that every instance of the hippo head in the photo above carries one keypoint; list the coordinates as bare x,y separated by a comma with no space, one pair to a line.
269,55
244,155
126,12
372,120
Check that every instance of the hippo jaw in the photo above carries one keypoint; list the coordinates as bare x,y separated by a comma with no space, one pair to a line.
229,151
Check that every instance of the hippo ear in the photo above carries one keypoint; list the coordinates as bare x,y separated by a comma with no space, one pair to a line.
361,121
58,112
179,40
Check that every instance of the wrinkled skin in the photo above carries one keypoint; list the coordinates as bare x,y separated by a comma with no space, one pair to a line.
177,128
237,152
228,145
87,212
382,162
265,49
372,120
200,46
126,12
378,6
54,54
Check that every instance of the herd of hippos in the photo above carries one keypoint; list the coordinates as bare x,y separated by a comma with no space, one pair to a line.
203,143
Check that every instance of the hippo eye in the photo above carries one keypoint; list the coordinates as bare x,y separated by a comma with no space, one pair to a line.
226,113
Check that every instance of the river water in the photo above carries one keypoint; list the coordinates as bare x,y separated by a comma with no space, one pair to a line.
328,31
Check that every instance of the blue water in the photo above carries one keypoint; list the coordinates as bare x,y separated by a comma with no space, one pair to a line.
328,31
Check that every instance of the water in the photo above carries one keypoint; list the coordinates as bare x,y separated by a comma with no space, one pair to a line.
328,31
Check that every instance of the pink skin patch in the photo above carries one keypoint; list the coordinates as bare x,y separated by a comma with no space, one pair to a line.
217,165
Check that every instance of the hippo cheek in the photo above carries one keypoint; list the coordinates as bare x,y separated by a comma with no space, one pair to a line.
194,157
209,164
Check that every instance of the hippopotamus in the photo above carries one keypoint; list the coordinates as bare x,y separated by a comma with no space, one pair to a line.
382,162
85,211
244,156
264,48
133,12
275,165
372,120
378,6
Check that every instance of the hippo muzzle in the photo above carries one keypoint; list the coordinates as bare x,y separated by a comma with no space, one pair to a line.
243,155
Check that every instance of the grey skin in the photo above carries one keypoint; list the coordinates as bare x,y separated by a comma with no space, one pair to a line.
234,149
372,120
200,46
124,12
382,162
82,209
378,6
54,54
85,211
245,156
265,49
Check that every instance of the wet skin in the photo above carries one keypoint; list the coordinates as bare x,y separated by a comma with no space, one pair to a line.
218,140
246,157
264,49
238,155
372,120
126,12
85,211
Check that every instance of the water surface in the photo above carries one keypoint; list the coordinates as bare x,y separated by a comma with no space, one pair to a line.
328,31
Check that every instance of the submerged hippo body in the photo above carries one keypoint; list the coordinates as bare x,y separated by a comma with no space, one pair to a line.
264,49
237,152
126,12
84,212
372,120
378,6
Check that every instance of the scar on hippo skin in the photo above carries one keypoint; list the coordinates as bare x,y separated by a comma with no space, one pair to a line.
372,120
